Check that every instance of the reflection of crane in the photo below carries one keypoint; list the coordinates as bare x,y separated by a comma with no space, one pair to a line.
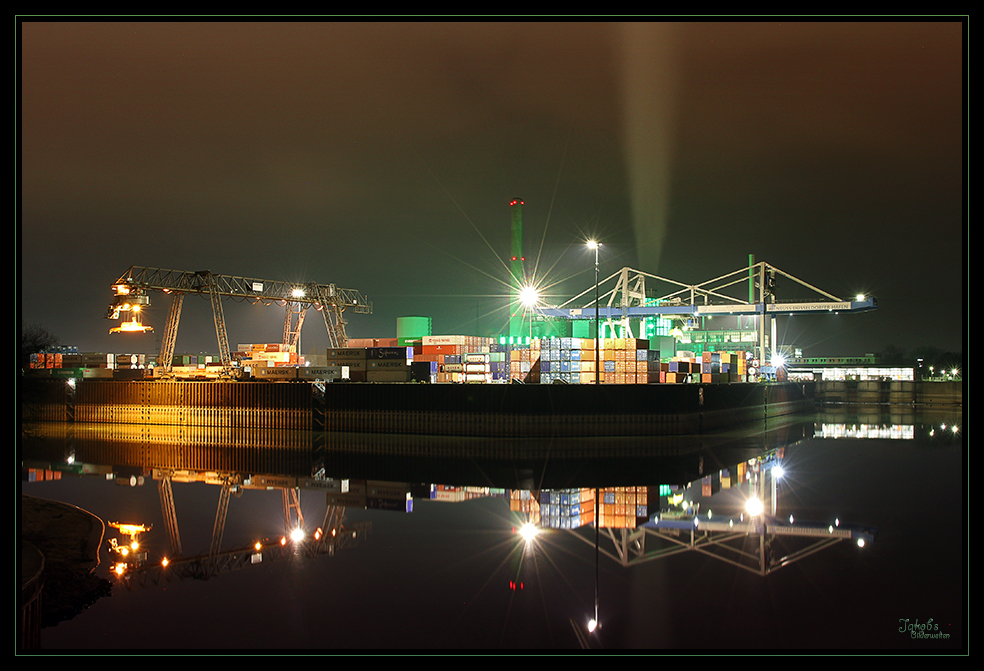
132,287
332,534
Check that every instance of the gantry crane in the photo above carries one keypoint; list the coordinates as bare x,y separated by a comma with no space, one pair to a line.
629,300
131,294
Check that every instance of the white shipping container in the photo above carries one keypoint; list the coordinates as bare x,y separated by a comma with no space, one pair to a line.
280,357
444,340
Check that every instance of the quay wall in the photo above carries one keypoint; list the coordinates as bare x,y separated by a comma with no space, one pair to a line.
501,410
892,392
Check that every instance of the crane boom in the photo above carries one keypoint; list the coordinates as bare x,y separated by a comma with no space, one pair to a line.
132,286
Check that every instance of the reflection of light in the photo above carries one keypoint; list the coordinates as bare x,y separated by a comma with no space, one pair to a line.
753,506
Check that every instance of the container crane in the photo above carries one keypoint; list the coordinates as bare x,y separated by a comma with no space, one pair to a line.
132,288
629,300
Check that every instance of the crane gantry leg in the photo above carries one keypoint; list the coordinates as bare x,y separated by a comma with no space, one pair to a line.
332,313
166,493
220,328
292,328
293,518
170,332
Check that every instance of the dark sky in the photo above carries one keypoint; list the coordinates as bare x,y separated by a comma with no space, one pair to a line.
382,157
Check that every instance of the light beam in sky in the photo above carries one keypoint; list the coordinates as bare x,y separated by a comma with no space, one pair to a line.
648,92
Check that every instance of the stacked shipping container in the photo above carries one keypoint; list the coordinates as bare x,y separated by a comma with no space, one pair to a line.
372,364
570,360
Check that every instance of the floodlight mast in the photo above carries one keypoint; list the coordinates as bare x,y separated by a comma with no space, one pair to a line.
330,300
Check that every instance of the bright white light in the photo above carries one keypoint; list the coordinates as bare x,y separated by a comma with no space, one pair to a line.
593,244
860,542
778,472
778,360
592,625
529,296
528,531
297,535
859,297
297,293
753,506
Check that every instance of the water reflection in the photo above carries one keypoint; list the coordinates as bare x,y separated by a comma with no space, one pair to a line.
636,507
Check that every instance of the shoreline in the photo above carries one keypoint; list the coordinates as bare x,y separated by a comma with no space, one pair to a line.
69,539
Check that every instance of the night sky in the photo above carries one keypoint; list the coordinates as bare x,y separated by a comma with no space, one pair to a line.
383,156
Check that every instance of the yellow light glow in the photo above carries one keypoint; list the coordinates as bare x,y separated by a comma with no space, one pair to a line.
130,529
133,326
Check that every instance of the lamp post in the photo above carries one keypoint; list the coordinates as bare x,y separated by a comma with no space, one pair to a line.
595,245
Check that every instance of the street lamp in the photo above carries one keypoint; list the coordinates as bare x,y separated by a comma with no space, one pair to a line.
595,245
